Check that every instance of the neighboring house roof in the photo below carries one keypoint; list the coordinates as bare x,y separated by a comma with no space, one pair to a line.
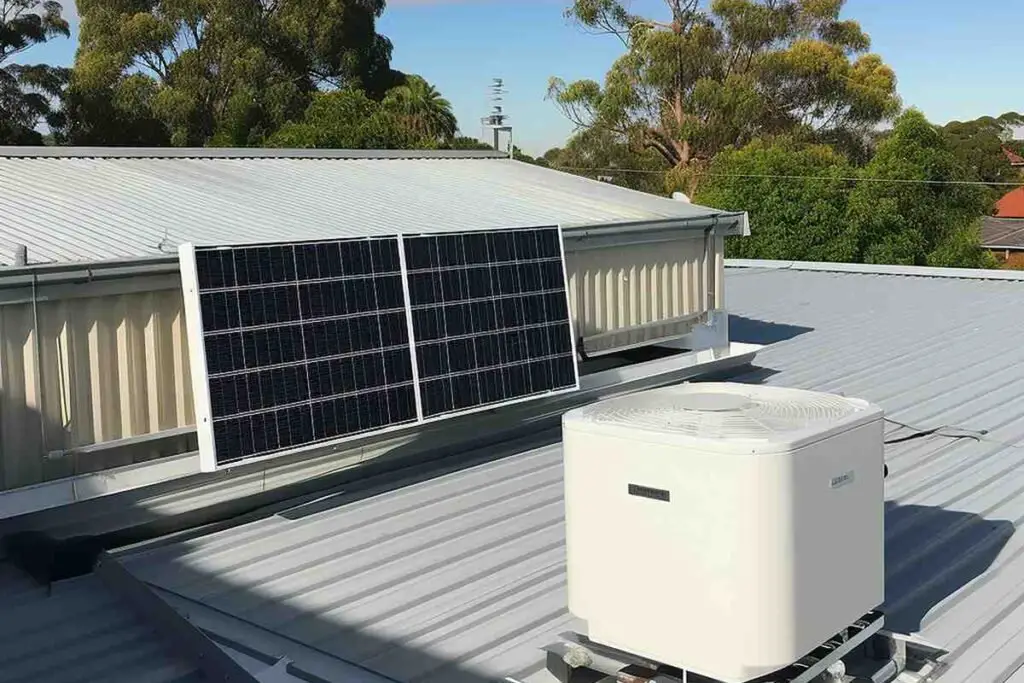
1011,204
70,204
79,632
1015,159
457,575
1002,233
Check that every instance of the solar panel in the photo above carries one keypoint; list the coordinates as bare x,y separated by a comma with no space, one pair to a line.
297,344
302,343
490,318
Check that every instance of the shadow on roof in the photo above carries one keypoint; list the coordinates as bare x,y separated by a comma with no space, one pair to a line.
363,650
930,554
753,331
368,585
327,612
459,457
752,374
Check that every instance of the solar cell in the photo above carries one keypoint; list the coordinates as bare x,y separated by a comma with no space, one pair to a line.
490,318
302,342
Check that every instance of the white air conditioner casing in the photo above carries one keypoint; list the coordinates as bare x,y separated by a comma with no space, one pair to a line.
724,529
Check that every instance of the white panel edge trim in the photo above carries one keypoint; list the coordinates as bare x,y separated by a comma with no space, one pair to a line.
197,357
404,269
569,307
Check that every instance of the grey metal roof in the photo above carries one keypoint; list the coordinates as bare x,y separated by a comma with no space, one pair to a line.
457,575
79,633
932,351
82,207
1002,233
450,579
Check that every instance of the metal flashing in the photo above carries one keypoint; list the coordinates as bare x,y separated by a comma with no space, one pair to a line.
56,152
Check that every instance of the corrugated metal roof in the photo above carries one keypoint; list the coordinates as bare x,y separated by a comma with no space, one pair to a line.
459,577
1002,232
451,579
79,633
932,351
85,208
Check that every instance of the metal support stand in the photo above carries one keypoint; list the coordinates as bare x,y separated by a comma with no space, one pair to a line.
575,658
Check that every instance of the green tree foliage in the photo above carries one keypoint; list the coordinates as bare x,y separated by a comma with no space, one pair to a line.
807,202
918,223
28,92
602,154
226,72
791,217
464,142
979,146
120,115
422,109
350,119
705,79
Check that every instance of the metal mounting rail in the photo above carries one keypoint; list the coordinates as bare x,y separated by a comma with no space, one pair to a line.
575,653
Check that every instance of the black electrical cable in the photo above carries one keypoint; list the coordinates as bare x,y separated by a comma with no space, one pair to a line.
946,431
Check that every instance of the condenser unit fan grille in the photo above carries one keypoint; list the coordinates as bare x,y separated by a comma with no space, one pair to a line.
720,414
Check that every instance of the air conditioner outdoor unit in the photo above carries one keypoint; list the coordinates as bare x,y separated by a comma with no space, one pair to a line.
724,529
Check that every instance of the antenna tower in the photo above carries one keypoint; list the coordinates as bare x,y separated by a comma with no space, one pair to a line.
496,121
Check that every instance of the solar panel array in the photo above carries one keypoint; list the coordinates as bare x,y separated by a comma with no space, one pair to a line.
297,344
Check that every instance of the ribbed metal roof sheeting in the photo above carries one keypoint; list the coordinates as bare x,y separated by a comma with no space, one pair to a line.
933,352
460,577
80,633
82,208
454,579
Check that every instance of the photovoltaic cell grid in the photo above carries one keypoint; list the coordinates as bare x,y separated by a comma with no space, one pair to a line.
490,317
304,343
310,342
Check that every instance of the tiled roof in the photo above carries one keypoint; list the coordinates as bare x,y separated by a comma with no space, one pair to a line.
1011,205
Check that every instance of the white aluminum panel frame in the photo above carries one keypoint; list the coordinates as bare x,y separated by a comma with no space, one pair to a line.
197,357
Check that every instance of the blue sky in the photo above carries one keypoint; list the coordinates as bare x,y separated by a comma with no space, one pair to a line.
953,59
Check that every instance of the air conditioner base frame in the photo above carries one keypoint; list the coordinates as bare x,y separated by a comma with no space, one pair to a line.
575,657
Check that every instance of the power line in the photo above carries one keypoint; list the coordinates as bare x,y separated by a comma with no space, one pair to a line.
910,181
